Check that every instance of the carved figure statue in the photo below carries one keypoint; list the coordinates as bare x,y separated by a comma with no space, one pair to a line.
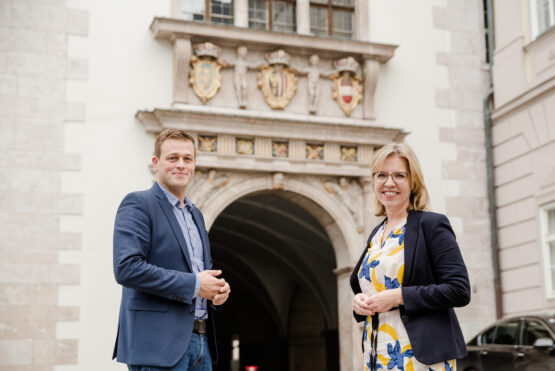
350,194
313,73
241,69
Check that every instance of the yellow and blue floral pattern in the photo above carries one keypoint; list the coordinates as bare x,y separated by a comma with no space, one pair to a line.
383,269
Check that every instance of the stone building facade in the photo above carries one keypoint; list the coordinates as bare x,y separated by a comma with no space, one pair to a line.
286,120
524,151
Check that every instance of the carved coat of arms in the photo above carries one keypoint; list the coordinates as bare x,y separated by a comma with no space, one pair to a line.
277,81
205,76
347,87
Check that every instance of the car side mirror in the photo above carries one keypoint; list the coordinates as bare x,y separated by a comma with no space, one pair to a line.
543,343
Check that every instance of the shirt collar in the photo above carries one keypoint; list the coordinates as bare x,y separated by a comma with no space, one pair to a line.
174,200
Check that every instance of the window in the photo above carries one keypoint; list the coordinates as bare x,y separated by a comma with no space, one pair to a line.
273,15
548,237
542,13
506,333
332,18
487,336
533,330
502,334
217,11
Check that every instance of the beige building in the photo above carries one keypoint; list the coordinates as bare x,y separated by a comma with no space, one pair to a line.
523,138
288,100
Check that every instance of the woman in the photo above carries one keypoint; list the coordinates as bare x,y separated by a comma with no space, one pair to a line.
410,275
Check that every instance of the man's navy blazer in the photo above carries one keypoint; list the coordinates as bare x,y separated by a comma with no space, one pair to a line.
435,281
152,263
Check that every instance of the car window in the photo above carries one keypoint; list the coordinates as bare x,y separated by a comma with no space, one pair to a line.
506,333
487,336
532,331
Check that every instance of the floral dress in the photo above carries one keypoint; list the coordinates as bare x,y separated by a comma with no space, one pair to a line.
382,269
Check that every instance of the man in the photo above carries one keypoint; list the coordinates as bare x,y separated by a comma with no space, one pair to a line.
162,260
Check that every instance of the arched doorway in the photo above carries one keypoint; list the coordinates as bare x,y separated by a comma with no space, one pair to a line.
279,261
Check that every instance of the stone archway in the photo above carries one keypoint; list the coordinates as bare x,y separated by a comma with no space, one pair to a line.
214,191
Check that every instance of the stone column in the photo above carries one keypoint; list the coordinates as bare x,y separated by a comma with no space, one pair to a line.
303,17
368,218
241,13
371,70
181,60
350,353
362,30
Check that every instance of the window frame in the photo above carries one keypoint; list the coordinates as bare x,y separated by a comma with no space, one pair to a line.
549,270
536,33
330,6
208,13
270,13
524,327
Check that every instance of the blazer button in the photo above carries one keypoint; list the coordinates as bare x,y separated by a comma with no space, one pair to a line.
192,311
404,318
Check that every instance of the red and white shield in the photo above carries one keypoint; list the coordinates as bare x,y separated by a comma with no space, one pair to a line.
346,89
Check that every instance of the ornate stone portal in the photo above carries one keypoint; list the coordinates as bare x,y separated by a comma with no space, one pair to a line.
315,154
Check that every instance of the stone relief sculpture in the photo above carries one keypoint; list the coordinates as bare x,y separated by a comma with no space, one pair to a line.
207,184
346,87
241,69
277,80
313,73
350,194
277,181
205,76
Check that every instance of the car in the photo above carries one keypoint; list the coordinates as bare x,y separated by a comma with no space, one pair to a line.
523,343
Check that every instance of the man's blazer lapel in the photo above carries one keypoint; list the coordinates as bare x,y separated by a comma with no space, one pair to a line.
411,238
168,211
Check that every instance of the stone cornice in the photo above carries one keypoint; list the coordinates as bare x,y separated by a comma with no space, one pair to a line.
231,36
267,124
525,97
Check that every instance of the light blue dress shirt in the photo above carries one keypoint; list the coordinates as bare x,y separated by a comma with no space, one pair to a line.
194,245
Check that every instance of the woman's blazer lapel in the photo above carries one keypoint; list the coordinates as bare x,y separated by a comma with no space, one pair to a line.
411,239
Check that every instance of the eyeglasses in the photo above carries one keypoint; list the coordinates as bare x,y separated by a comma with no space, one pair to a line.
398,177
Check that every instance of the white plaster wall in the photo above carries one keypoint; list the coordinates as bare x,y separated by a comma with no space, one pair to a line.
128,70
407,84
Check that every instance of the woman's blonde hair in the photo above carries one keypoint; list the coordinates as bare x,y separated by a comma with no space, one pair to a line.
418,193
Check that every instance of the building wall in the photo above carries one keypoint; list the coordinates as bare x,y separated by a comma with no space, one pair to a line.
38,210
523,149
57,54
439,78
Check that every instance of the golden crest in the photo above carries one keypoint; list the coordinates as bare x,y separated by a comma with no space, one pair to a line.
347,91
278,84
205,77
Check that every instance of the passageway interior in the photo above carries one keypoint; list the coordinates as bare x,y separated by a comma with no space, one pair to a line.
279,261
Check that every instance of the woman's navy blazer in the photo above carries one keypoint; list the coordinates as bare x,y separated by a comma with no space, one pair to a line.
435,281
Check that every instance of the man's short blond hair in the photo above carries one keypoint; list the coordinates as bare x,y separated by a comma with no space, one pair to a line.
172,134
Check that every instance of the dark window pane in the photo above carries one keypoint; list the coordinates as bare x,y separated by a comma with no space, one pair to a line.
258,14
284,18
193,10
551,221
342,23
487,336
506,333
222,11
343,2
318,21
533,330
